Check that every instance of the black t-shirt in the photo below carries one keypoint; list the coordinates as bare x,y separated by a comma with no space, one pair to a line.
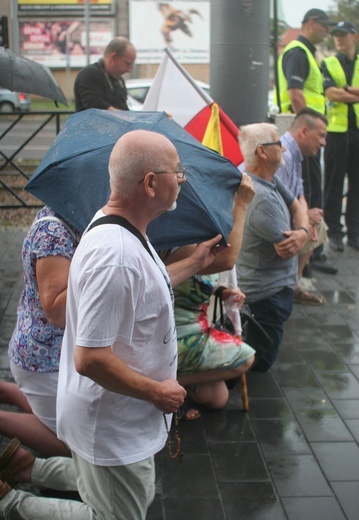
94,88
295,64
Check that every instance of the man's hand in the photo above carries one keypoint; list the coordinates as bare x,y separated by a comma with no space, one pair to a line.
290,247
170,396
315,216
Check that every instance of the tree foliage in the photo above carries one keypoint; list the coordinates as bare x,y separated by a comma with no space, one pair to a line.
348,10
345,10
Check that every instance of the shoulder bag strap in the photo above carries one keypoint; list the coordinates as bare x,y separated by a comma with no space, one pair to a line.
115,219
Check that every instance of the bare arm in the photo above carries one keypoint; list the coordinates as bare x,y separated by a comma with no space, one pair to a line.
189,260
243,197
52,273
299,215
302,201
315,216
107,370
343,96
297,237
297,99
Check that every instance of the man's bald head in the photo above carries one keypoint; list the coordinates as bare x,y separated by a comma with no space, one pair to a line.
134,155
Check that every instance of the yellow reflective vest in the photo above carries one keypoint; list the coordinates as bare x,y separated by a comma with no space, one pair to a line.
313,85
337,112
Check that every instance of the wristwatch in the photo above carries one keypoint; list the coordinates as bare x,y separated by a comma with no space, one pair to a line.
304,229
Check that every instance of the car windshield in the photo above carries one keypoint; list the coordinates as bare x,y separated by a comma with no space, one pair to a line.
139,93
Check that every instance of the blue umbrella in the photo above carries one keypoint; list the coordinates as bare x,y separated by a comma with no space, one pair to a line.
73,176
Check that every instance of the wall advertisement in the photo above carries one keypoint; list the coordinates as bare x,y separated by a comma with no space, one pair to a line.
60,44
96,6
182,26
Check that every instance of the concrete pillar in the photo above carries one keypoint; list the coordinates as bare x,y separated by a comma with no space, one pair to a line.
239,68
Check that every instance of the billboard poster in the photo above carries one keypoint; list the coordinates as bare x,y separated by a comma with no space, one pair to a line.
183,26
28,6
60,44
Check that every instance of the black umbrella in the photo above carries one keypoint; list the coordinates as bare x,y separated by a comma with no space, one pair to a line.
73,176
20,74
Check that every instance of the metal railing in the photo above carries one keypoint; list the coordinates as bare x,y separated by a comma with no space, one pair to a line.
15,171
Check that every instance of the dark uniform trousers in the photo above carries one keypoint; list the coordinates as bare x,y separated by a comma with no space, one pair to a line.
341,157
312,185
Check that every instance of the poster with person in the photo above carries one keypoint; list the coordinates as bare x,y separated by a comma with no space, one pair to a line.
62,43
182,26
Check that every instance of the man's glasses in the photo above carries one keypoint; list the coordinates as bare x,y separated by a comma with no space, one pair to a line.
180,173
279,143
274,143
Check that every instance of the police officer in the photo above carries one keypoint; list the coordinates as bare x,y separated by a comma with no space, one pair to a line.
301,85
341,86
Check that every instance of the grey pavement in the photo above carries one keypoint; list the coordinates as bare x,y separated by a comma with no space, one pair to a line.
295,455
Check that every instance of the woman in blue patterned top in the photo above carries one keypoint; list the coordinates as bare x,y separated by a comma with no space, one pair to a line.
35,346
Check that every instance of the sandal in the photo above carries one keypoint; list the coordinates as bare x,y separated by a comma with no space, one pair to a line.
8,452
186,412
307,298
8,471
4,489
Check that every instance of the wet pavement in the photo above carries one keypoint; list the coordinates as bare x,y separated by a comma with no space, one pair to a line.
295,455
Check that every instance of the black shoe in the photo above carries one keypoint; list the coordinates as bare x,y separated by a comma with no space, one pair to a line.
321,264
354,243
307,272
336,243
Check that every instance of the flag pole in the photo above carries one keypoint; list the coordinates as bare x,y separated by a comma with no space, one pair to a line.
200,91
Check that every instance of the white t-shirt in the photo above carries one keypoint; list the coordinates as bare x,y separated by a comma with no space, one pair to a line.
118,296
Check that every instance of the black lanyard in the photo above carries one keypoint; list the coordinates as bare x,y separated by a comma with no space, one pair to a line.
115,219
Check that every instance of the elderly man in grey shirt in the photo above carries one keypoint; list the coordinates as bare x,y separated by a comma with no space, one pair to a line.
276,228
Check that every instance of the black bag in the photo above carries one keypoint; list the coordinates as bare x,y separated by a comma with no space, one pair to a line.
223,322
252,332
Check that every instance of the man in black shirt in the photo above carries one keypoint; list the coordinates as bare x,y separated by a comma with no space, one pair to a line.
341,85
100,85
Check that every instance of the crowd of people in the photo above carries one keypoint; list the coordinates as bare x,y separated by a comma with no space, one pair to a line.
113,337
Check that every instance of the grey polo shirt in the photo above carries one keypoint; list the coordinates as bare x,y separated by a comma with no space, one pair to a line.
261,271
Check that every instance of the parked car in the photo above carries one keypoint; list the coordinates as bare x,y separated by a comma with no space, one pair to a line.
137,91
133,104
11,101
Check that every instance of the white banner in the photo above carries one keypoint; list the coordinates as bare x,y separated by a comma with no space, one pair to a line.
182,26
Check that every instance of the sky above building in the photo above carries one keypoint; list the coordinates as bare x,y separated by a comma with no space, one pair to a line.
293,11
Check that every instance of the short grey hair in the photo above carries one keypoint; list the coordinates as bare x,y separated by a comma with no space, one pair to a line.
251,136
134,155
117,45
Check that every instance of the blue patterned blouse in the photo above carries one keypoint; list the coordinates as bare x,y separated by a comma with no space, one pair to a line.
35,344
